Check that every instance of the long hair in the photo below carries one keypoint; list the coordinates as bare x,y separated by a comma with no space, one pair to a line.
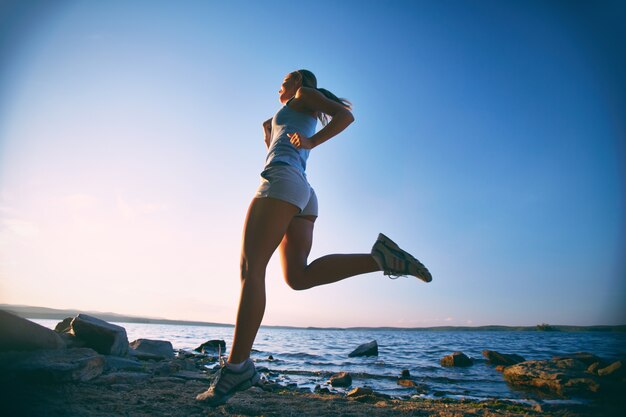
309,80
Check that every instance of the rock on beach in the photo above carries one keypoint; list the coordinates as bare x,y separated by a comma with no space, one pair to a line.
103,337
212,347
341,379
17,333
152,349
52,366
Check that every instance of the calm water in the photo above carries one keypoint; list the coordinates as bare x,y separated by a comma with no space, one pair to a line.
307,357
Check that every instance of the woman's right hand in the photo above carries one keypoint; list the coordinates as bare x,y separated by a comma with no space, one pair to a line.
267,131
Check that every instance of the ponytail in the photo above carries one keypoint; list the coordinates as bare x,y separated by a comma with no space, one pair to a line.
309,80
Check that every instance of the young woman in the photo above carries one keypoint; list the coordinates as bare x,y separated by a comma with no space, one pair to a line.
282,215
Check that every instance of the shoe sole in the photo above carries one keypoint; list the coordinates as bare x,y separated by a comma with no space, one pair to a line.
390,244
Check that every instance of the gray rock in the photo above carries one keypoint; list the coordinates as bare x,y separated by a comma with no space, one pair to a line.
19,334
116,363
456,359
212,347
366,349
505,359
103,337
159,348
77,365
341,379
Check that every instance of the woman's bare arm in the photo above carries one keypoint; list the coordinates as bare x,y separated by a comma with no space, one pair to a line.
267,132
315,101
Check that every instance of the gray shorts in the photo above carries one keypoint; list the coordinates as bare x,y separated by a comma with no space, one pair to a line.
287,183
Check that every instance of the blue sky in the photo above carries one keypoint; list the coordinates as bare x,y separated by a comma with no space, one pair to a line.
489,141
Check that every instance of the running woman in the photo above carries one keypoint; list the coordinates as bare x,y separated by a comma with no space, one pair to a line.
282,215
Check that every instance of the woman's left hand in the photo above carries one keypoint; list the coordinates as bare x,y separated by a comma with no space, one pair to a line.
300,141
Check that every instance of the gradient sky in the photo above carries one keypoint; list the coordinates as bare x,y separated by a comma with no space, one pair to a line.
489,141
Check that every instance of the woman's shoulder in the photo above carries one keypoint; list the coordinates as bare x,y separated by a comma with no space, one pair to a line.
302,101
307,93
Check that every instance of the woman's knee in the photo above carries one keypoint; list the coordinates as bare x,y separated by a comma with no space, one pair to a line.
296,281
251,270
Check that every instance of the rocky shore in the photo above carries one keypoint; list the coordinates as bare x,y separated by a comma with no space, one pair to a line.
87,367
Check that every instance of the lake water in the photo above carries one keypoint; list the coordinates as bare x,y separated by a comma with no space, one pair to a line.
307,357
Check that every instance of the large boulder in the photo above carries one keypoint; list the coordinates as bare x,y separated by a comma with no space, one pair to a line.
51,366
564,377
366,349
456,359
17,333
504,359
103,337
157,349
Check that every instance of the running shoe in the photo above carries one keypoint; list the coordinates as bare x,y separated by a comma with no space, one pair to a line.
227,382
396,262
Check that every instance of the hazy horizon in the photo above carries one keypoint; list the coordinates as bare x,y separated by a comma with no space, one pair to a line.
489,141
208,322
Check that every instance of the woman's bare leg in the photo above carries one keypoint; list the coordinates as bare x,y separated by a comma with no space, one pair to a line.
266,224
295,248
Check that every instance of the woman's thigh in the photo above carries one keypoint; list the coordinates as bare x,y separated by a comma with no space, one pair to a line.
296,247
266,224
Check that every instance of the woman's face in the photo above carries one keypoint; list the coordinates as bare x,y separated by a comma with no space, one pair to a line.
288,89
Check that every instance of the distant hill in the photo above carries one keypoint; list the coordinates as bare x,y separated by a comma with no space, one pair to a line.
30,312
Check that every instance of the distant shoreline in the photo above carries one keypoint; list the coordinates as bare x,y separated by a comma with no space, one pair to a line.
31,312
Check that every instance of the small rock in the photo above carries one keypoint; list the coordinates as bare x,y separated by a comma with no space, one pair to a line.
456,359
359,391
64,326
406,383
593,368
212,346
614,370
366,349
270,358
341,379
506,359
103,337
159,348
19,334
405,374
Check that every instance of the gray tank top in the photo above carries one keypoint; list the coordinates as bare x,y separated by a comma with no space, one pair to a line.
281,151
